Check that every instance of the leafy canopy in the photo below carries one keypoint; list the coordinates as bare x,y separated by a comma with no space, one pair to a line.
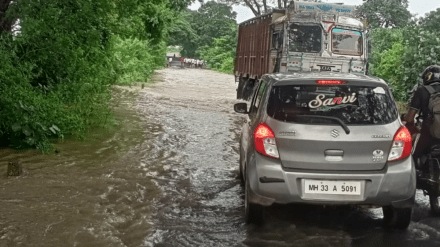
385,13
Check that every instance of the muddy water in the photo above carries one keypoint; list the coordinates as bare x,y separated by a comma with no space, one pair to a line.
167,176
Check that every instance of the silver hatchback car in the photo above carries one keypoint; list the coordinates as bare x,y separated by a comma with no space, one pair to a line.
329,139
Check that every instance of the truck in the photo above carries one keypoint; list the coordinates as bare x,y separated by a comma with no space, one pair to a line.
307,36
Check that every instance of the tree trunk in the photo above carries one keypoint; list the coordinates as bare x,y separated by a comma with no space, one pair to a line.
258,7
255,11
279,4
5,23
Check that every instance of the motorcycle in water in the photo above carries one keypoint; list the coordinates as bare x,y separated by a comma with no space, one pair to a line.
428,174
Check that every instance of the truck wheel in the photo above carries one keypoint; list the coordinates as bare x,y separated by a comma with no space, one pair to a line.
248,89
253,213
240,88
435,204
396,218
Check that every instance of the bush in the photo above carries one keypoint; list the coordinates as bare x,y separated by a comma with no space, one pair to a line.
135,60
33,115
55,73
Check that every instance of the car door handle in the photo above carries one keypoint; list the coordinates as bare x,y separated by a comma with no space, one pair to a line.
330,152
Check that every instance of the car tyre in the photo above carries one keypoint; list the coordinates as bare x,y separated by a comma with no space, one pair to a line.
240,170
253,213
396,218
435,205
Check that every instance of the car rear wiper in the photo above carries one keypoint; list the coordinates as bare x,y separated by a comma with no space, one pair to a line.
334,119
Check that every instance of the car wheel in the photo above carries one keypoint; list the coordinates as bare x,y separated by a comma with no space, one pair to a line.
396,218
241,175
253,213
240,170
435,205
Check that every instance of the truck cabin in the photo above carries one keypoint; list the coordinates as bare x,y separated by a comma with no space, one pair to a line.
305,37
324,37
308,38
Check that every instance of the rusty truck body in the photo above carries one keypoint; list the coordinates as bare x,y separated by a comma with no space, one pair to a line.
304,37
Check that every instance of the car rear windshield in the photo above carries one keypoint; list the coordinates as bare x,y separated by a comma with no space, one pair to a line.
353,105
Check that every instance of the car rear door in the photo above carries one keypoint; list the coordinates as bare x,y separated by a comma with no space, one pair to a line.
347,127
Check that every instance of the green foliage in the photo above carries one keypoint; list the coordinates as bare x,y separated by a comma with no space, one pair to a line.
220,54
195,29
208,33
183,33
135,60
382,40
401,54
31,116
431,21
388,69
385,13
227,65
141,29
146,19
60,61
57,72
213,20
422,50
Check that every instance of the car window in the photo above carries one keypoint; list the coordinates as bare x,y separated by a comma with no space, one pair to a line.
361,105
258,96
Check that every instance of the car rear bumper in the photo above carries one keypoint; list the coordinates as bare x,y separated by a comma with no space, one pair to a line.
270,183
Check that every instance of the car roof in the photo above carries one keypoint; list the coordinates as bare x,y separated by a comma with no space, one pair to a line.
282,78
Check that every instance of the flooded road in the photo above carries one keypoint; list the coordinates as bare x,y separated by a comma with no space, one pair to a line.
167,176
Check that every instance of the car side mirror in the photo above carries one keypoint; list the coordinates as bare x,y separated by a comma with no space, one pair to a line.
240,108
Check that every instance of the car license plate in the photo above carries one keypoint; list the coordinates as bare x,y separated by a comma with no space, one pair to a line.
326,68
332,187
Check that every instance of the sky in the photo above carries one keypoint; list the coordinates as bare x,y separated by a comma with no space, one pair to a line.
417,7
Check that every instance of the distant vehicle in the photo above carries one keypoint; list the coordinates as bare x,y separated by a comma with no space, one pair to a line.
305,37
326,138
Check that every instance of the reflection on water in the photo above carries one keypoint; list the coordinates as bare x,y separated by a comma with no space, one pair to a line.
89,194
167,176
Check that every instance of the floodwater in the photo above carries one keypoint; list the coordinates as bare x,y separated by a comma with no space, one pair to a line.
167,176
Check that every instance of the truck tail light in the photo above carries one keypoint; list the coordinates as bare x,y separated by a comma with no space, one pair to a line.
402,145
264,140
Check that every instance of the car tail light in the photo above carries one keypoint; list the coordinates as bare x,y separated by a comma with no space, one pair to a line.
402,145
330,82
264,140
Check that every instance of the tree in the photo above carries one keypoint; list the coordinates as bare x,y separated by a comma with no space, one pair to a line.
195,29
213,20
57,71
400,54
221,52
5,21
382,40
385,13
259,7
389,67
183,33
431,21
